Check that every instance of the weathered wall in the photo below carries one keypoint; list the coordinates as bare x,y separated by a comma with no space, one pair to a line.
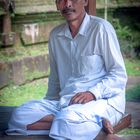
21,71
34,6
32,22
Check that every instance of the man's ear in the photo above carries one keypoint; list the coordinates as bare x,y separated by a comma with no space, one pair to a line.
85,2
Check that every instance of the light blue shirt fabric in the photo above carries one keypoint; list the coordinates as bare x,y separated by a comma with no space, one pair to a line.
91,61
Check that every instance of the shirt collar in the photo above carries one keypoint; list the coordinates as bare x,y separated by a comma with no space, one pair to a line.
84,26
82,31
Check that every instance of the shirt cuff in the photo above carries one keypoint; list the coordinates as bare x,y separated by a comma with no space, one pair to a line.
96,93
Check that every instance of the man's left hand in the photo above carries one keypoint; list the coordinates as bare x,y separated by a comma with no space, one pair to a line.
82,98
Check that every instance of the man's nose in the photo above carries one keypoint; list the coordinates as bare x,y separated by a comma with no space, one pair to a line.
68,3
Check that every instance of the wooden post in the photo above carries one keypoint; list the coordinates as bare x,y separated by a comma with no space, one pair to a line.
8,37
91,8
7,23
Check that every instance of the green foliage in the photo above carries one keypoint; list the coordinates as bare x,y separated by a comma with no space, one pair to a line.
133,94
34,75
123,32
126,23
132,67
124,35
119,1
128,38
17,95
130,132
11,54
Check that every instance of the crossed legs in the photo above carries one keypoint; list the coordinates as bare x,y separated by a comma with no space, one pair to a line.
46,122
43,124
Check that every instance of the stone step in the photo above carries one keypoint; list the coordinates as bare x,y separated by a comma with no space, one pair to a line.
34,2
34,6
27,69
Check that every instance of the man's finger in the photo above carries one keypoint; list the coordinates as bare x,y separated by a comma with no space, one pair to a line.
80,100
77,98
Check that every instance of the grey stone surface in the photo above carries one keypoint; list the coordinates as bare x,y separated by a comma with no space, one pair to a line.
17,74
4,75
27,69
42,63
36,32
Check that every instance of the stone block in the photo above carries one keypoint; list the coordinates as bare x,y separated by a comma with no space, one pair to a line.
8,39
36,67
41,63
16,74
34,6
21,71
29,65
4,75
36,32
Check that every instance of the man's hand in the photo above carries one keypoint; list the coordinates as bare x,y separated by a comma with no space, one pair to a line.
82,98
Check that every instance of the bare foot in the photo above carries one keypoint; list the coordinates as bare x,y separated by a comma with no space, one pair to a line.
107,127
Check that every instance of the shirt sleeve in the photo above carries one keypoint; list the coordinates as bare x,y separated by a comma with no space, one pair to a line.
114,82
53,83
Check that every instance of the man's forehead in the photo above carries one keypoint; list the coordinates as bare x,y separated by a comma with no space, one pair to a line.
69,0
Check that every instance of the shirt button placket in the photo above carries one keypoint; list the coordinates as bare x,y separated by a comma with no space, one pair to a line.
72,65
73,47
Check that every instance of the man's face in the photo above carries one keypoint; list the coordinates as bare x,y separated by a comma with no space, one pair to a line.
71,9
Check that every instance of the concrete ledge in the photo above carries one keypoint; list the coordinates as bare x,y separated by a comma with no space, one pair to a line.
20,71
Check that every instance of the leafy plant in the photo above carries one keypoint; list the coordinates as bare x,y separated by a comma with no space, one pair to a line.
128,39
133,94
124,35
17,95
132,67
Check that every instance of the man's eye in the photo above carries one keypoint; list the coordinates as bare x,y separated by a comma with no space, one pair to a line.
59,1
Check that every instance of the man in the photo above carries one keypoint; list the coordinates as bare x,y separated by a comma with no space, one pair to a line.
87,80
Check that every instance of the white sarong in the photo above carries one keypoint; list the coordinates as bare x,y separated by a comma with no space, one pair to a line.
70,123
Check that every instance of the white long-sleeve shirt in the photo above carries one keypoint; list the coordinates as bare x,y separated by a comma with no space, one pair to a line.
91,61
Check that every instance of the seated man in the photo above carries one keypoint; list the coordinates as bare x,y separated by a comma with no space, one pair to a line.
87,80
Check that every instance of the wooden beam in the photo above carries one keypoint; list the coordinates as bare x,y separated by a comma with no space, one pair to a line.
91,8
7,23
8,37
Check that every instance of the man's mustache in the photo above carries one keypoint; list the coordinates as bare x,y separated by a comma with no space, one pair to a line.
67,10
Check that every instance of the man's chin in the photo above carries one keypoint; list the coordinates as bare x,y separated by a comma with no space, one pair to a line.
69,17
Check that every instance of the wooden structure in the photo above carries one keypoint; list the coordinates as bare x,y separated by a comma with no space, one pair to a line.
8,37
91,8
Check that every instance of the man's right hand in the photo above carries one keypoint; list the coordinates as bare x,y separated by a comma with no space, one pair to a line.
82,98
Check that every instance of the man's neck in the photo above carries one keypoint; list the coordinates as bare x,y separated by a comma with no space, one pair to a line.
75,25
